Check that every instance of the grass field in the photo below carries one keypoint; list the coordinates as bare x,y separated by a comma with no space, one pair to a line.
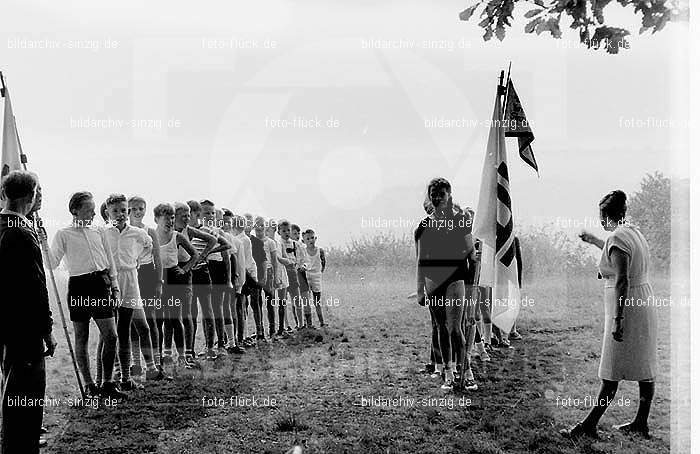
309,389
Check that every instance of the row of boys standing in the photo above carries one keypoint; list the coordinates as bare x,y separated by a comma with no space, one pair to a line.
144,286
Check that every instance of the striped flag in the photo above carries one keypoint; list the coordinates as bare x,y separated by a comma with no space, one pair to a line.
493,225
516,125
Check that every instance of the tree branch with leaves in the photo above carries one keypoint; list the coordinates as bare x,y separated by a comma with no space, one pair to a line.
585,16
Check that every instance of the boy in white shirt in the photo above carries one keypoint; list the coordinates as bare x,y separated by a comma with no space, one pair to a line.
93,289
127,244
233,316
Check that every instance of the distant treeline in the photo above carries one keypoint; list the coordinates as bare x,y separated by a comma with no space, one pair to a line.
547,251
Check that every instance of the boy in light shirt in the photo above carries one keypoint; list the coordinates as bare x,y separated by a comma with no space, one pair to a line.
314,265
93,277
150,272
127,244
219,269
305,297
233,316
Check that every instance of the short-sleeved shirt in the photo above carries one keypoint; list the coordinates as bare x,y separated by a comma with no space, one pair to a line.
442,249
128,245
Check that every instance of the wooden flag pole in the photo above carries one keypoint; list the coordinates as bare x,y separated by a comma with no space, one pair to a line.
473,307
45,250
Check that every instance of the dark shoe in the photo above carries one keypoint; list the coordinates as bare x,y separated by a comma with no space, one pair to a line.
136,371
515,336
130,385
469,385
633,429
92,390
157,375
110,389
167,360
183,363
238,350
192,361
427,369
578,431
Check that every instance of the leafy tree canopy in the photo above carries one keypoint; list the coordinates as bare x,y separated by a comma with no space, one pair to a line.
585,16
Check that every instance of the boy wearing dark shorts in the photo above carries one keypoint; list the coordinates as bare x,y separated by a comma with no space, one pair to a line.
92,289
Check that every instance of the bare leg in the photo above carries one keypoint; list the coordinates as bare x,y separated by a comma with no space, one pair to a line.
108,331
82,335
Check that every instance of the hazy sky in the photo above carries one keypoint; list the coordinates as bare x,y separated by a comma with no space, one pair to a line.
324,112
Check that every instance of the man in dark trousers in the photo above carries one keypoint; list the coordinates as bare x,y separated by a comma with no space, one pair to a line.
25,318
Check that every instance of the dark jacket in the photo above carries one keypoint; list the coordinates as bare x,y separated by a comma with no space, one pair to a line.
25,316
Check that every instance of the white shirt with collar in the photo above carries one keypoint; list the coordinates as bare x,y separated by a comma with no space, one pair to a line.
84,250
128,245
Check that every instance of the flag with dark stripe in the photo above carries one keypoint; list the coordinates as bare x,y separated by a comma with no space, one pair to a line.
493,225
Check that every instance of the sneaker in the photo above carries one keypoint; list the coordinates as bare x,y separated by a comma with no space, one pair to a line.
504,344
210,355
183,363
470,385
515,336
480,352
221,352
426,369
632,428
167,360
92,390
110,389
448,385
202,353
437,374
578,431
237,350
130,385
192,361
157,375
469,376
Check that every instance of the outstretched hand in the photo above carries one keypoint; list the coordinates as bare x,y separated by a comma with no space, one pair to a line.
587,237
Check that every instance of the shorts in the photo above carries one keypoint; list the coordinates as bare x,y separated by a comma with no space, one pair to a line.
217,272
148,280
89,297
129,289
303,281
293,278
250,285
201,276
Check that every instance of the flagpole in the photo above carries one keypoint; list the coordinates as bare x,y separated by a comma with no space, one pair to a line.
505,96
45,250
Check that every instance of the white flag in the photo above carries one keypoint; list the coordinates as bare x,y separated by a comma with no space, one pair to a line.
10,143
493,225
